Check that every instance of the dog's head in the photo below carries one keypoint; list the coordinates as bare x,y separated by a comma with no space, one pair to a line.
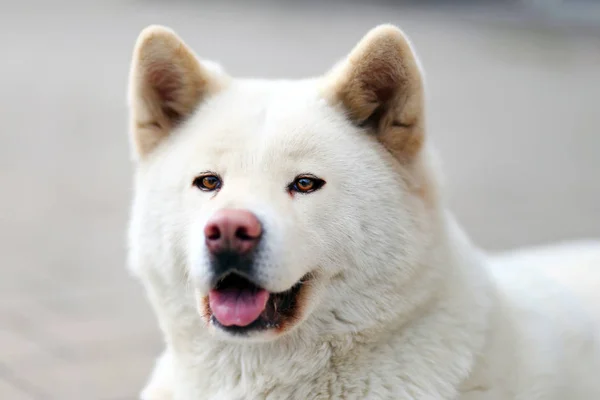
281,203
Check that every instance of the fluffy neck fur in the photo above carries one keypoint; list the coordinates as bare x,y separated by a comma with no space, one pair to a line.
436,335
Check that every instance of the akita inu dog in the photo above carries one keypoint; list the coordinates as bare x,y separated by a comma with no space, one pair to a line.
295,244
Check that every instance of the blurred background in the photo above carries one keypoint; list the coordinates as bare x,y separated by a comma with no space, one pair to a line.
514,107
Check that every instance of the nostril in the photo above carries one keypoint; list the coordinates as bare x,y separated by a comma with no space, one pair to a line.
242,234
212,232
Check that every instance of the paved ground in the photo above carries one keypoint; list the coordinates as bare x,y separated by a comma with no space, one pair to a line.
513,105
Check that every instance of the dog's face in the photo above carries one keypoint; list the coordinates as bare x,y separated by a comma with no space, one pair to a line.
280,203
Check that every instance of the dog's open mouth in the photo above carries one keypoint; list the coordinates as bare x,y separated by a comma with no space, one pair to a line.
238,305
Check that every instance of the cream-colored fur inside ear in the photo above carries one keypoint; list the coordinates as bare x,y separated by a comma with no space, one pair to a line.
380,86
167,82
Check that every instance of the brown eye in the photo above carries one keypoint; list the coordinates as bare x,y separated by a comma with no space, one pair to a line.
208,183
306,184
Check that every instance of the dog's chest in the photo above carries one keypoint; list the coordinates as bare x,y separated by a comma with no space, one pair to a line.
325,387
302,380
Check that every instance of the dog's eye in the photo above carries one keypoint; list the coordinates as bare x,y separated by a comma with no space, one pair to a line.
208,183
306,184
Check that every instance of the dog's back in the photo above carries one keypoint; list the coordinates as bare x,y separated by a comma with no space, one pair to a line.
575,266
544,335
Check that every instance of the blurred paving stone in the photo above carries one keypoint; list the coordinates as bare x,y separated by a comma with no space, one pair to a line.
9,392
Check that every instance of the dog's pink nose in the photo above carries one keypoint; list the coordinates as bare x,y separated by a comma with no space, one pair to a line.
232,230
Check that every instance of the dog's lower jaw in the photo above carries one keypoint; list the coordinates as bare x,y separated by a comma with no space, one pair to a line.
303,365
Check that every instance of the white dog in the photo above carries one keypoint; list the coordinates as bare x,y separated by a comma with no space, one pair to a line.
294,244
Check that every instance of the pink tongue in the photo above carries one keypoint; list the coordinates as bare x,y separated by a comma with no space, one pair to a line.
237,307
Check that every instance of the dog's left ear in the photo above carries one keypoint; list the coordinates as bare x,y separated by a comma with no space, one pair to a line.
379,86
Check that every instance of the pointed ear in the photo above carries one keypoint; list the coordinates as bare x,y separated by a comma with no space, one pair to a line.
166,83
379,86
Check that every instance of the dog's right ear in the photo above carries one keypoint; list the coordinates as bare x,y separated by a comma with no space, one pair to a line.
166,83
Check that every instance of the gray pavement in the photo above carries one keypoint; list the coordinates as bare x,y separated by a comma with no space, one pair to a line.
514,110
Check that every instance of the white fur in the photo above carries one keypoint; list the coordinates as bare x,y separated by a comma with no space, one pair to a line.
403,306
